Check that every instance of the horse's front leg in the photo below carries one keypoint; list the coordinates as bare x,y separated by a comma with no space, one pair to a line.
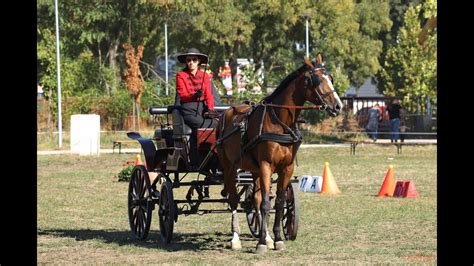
229,185
283,180
257,203
265,180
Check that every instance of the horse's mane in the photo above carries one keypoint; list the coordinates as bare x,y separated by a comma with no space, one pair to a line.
284,84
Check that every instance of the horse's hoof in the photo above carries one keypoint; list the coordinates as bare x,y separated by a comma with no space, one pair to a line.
270,244
236,245
279,245
261,249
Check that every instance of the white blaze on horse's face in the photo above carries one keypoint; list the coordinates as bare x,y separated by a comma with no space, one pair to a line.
338,105
329,95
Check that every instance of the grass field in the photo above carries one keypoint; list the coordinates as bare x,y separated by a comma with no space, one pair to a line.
82,215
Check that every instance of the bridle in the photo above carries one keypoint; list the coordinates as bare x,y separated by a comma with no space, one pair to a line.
313,80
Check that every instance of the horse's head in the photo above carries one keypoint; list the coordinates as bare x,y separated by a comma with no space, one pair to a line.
319,88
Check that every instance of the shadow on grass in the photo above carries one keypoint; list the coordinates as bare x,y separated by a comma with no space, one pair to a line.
181,241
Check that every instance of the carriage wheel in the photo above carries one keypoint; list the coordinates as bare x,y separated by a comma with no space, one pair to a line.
167,212
290,218
253,220
140,205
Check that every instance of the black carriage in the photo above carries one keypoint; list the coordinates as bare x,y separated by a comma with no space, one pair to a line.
167,156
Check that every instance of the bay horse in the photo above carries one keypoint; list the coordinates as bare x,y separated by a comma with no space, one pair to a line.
263,139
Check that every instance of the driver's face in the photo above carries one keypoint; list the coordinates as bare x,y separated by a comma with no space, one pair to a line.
192,62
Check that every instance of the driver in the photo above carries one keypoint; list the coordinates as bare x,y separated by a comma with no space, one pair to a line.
193,93
193,87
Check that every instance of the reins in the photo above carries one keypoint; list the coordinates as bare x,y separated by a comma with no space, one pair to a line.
294,106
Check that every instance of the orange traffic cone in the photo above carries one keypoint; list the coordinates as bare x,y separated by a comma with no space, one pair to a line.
388,185
329,185
405,189
410,191
138,160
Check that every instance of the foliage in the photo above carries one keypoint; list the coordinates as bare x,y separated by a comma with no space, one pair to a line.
115,109
345,33
396,15
132,75
353,37
313,116
247,96
410,68
126,173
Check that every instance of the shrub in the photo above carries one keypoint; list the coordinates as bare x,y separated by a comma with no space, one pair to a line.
126,173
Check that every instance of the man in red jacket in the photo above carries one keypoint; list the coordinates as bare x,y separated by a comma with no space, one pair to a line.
194,94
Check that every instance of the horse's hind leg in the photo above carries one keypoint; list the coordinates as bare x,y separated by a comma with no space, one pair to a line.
283,180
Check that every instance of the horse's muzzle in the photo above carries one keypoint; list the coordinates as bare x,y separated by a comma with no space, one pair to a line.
335,110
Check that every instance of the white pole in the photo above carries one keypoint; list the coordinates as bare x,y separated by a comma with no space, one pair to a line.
60,124
166,56
307,38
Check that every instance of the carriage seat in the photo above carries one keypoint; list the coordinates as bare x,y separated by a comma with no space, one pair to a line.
180,129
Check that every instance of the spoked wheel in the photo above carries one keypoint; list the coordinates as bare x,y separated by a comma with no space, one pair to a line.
253,219
140,204
167,212
291,214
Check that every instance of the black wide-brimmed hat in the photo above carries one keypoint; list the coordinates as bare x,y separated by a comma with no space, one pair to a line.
193,51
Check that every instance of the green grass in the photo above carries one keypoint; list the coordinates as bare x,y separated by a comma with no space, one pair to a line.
82,215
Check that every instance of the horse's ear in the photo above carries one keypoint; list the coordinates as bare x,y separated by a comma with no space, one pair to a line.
308,62
319,59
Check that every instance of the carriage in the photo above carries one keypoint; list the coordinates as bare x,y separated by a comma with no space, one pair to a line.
251,142
167,156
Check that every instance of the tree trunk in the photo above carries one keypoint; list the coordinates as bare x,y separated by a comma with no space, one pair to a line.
137,105
113,64
133,113
49,111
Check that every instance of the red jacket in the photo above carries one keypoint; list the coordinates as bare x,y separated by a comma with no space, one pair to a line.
187,84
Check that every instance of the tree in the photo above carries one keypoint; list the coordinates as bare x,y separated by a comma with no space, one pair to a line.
397,12
278,26
410,68
346,32
133,79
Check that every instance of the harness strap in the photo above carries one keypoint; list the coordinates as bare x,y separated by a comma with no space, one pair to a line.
280,138
291,138
253,141
285,126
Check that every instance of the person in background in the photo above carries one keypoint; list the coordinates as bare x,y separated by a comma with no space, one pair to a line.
395,112
226,75
373,122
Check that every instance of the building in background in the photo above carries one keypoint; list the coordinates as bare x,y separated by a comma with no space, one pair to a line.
366,96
